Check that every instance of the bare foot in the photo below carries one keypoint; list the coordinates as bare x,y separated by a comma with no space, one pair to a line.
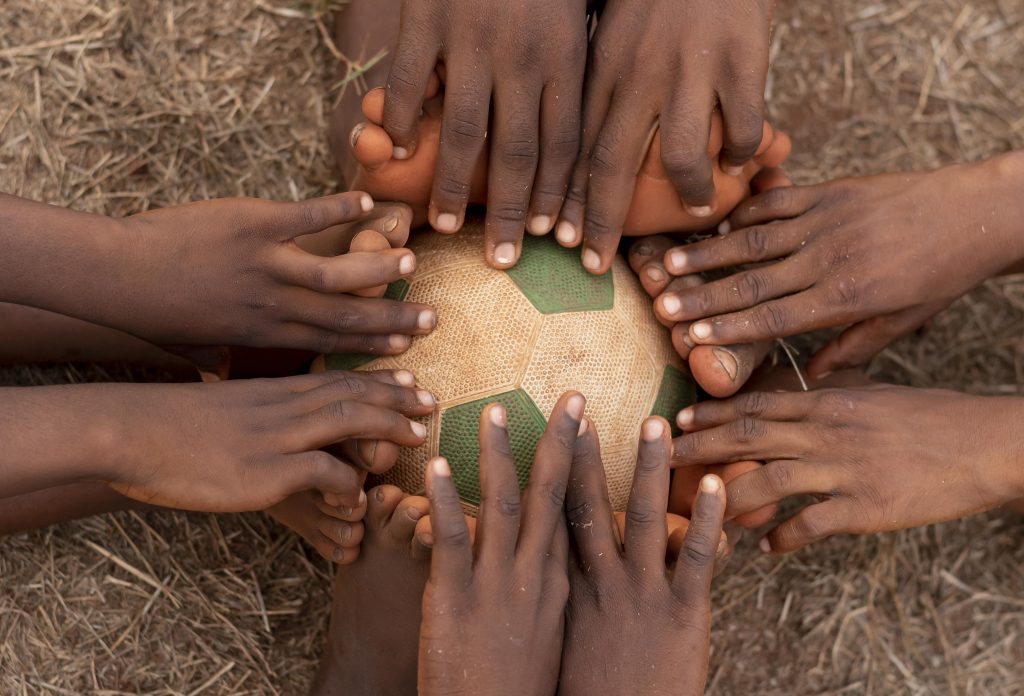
720,370
656,205
334,531
373,638
366,33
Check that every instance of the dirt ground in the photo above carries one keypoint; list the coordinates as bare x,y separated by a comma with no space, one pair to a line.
115,107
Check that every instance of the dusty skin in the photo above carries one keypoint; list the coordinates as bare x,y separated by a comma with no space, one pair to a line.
882,254
635,624
197,277
876,457
330,521
655,205
666,65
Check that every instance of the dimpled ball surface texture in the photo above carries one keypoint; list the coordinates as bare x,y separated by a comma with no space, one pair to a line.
523,337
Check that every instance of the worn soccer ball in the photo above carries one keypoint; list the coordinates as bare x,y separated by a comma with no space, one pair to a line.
523,337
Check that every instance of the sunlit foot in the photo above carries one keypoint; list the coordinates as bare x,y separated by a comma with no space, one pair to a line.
335,532
374,632
656,206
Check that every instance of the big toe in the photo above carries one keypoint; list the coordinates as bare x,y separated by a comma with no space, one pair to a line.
371,146
722,370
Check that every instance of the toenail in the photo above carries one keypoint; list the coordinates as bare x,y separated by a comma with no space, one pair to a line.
584,427
566,233
344,531
407,264
427,539
498,415
425,398
575,405
405,378
338,554
418,429
727,361
670,305
366,203
765,545
591,260
701,330
344,511
652,429
390,224
700,211
724,227
684,419
446,222
710,484
655,274
427,320
400,153
398,342
412,513
677,259
356,132
505,253
378,495
733,170
362,497
540,224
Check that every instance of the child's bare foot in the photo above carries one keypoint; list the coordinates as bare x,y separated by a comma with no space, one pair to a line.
366,33
334,531
656,206
720,370
374,633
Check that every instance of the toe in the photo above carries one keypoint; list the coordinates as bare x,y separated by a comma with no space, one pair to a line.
341,533
433,86
341,512
778,148
407,516
371,146
382,503
681,340
373,106
722,370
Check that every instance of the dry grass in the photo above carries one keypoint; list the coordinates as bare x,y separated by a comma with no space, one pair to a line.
115,107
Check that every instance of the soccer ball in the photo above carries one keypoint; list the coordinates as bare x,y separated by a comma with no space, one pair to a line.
523,337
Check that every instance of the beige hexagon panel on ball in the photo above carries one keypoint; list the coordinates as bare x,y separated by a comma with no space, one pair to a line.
523,337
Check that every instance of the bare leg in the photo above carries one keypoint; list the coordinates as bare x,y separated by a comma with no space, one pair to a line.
373,639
